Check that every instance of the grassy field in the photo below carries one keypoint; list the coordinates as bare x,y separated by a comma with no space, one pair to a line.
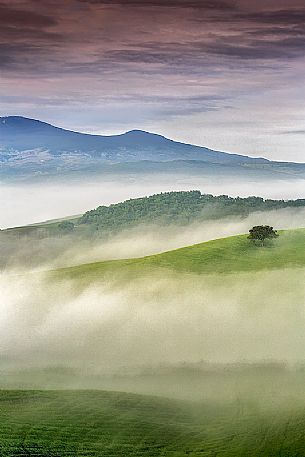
226,255
83,423
98,423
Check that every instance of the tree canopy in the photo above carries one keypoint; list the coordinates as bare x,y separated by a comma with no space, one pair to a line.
180,208
261,233
66,226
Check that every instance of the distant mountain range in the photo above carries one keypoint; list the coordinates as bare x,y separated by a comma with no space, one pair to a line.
31,147
22,134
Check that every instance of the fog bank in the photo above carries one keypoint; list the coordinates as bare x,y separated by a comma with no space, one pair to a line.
114,324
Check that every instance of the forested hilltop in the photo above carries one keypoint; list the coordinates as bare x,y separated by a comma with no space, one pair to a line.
169,208
178,208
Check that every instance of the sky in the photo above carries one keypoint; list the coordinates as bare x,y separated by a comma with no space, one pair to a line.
227,74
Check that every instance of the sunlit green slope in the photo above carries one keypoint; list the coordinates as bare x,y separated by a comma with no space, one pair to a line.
226,255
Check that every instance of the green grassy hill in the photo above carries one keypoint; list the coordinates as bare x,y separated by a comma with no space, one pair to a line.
226,255
83,423
32,245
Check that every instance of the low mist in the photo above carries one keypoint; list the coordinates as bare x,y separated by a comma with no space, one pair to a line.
116,326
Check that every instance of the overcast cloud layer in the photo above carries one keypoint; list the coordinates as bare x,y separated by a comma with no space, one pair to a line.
223,73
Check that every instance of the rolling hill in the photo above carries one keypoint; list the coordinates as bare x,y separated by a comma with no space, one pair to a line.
168,213
177,208
222,256
259,410
83,423
168,208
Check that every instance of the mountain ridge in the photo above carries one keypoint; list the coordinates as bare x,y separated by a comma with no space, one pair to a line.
21,133
31,149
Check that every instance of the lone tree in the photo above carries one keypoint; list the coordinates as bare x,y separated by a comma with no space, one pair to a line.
260,233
